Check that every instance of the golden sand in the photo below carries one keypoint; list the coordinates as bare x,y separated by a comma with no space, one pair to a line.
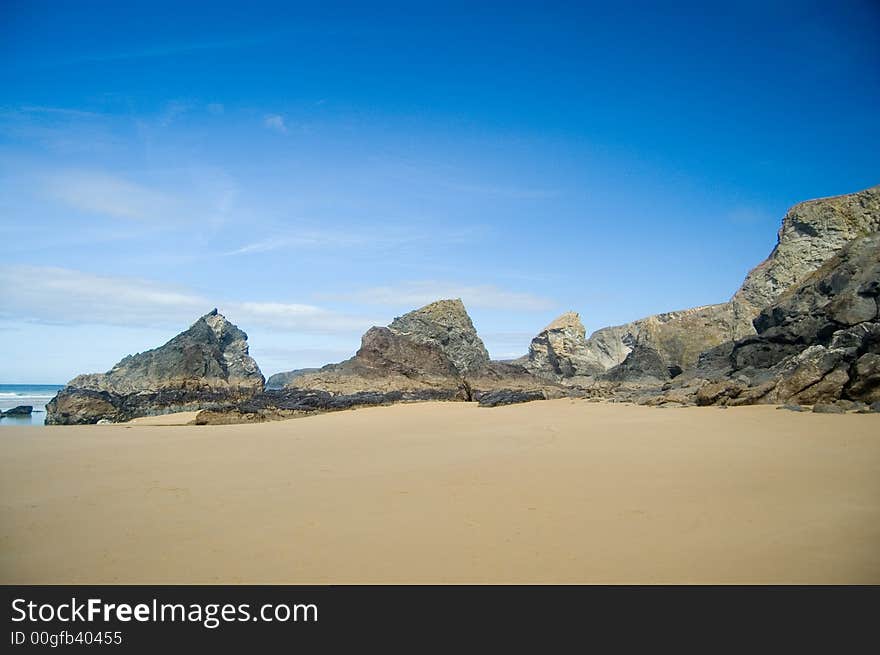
556,491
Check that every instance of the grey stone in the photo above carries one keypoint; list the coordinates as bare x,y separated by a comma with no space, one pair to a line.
20,410
204,366
509,397
827,408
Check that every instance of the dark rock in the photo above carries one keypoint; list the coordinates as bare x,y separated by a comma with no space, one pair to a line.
20,410
642,364
207,365
509,397
445,324
792,408
827,408
560,350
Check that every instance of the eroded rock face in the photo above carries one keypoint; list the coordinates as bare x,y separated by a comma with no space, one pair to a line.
642,365
560,350
678,337
818,343
432,353
206,365
446,325
811,233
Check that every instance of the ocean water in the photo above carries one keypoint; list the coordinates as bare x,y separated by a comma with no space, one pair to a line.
37,395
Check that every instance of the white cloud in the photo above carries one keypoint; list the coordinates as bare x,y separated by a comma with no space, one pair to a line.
275,122
101,193
188,195
58,295
416,294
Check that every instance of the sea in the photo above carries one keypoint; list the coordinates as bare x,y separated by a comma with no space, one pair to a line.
36,395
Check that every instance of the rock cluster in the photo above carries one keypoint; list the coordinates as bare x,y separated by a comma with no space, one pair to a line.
206,365
802,330
811,233
560,351
818,343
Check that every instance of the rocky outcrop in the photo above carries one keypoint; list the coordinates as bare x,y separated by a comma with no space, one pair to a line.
207,365
678,337
818,343
20,410
642,365
560,351
811,233
281,380
446,325
432,353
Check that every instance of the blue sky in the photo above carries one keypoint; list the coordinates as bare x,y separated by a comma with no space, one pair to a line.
312,172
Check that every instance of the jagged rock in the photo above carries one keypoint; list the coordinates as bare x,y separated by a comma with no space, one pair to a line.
207,365
509,397
827,408
719,392
559,350
445,324
20,410
679,337
866,385
388,350
807,349
431,350
642,364
811,233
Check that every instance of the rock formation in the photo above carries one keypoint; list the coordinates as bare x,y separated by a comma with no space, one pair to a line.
207,365
811,233
445,324
560,351
20,410
642,365
818,343
429,349
281,380
432,353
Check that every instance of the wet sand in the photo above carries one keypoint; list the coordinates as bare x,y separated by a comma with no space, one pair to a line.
558,491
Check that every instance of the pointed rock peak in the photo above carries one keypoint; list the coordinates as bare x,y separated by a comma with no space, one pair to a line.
566,321
449,311
445,323
221,326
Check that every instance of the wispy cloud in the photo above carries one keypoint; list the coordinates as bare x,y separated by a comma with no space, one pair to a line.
58,295
101,193
414,294
389,237
275,122
173,197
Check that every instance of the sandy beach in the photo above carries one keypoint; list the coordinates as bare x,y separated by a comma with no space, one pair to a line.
561,491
